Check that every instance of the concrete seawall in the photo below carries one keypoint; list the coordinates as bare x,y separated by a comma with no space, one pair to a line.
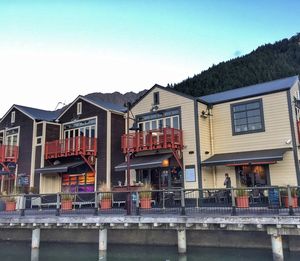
238,239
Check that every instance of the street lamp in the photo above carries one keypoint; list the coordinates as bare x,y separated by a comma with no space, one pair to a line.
134,127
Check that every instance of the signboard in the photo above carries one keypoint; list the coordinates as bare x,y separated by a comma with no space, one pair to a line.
23,180
190,174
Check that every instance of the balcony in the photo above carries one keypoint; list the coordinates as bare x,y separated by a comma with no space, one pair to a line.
71,147
166,138
9,153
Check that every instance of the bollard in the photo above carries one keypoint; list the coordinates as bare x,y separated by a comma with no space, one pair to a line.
57,204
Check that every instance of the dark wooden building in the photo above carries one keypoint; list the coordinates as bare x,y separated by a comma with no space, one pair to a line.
81,150
22,133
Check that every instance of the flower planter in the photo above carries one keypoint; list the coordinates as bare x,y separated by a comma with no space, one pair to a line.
145,202
242,202
285,200
105,203
10,206
66,204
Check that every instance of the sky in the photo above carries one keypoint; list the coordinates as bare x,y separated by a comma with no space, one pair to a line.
52,51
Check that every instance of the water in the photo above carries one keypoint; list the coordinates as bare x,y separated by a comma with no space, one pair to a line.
20,251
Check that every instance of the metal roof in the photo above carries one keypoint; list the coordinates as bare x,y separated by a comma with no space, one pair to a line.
38,114
246,157
105,104
250,91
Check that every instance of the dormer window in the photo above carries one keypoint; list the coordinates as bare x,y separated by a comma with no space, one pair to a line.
13,117
155,98
79,108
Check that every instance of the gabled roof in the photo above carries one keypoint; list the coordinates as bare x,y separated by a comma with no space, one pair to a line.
163,88
250,91
34,114
38,114
107,106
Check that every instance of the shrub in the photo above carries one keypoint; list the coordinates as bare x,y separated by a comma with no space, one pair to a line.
241,192
145,191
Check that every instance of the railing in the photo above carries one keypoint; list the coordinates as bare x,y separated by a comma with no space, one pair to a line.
70,147
257,201
9,153
166,138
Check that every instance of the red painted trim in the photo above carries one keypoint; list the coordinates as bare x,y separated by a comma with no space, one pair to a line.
79,145
166,138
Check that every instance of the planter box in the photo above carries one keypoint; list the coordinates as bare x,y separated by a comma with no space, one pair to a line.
66,204
242,202
10,206
285,200
105,203
145,202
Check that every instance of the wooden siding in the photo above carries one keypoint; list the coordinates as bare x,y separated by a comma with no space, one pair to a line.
277,127
283,172
88,111
50,183
205,146
25,125
117,157
171,100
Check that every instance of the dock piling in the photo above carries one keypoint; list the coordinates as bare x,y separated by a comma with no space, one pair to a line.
36,233
181,236
102,239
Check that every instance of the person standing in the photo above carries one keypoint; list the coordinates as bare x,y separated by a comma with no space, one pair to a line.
227,181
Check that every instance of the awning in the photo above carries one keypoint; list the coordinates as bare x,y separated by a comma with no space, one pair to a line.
248,157
60,168
144,162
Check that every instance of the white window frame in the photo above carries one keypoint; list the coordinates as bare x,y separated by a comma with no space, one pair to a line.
13,117
79,108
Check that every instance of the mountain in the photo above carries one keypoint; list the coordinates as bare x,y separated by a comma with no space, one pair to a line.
266,63
117,97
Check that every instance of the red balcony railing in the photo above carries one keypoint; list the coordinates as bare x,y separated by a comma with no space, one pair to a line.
70,147
166,138
9,153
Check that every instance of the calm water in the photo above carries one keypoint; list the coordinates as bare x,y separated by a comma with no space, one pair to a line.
16,251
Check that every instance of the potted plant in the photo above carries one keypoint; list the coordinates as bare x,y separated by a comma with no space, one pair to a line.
242,198
67,200
145,196
285,198
10,202
105,196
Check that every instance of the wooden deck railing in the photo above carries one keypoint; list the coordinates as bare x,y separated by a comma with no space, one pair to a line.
71,147
166,138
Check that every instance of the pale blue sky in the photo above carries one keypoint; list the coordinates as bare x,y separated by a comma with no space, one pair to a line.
56,50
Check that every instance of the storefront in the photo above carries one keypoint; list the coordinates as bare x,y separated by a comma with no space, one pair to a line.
252,168
160,170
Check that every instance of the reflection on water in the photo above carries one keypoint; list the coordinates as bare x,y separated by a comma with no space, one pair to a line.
16,251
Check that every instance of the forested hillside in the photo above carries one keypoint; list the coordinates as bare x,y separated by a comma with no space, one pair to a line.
266,63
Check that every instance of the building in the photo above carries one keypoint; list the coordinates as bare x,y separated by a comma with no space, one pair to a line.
166,146
22,132
251,133
80,152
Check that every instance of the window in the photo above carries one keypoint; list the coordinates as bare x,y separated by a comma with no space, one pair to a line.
247,117
13,117
79,108
155,98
